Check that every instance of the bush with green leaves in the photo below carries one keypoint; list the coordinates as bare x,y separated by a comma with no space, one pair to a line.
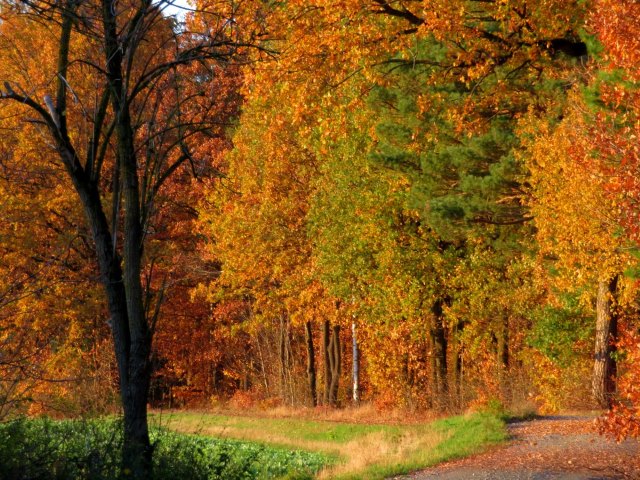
43,449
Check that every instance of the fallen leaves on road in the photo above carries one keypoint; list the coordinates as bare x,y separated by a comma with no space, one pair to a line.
550,445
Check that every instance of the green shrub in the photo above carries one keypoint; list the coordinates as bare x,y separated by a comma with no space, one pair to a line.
43,449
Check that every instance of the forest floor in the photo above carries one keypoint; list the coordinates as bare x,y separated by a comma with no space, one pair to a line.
560,447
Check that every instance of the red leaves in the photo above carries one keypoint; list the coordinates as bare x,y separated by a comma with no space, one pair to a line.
623,420
617,25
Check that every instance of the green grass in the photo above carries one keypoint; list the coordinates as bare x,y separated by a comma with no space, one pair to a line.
195,446
290,431
359,451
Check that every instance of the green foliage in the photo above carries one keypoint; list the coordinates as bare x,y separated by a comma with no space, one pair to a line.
44,449
633,271
594,46
592,93
52,450
459,181
558,332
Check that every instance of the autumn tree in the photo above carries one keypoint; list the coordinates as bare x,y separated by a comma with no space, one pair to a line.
422,214
53,314
583,172
576,224
610,153
110,64
19,369
256,221
371,255
453,78
458,154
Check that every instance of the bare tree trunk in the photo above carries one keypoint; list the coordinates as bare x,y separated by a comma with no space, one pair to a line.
439,346
604,368
356,365
311,365
263,370
326,362
503,345
290,360
137,450
282,345
457,367
133,358
503,357
336,365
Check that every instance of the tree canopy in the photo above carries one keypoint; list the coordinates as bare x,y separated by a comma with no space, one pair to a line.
213,207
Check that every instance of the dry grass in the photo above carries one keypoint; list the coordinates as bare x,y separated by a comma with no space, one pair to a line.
365,413
379,451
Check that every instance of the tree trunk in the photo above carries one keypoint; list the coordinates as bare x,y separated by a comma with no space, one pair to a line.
311,365
439,347
457,367
131,338
503,356
282,357
289,362
137,454
604,368
356,365
336,367
503,345
129,327
326,362
263,369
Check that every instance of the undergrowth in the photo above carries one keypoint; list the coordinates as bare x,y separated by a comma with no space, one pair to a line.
42,449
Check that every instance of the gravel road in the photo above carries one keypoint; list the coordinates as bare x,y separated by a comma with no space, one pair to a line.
560,447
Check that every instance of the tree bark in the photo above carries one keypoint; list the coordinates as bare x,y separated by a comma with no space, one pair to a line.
130,332
133,359
137,450
457,367
336,365
604,368
356,365
311,365
282,358
326,362
503,345
263,369
439,348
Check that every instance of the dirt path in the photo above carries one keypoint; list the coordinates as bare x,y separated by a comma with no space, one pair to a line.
546,448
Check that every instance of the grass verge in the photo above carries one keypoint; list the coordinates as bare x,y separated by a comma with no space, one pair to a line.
359,451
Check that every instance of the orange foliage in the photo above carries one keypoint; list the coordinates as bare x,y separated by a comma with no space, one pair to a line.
45,244
623,420
230,265
613,142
